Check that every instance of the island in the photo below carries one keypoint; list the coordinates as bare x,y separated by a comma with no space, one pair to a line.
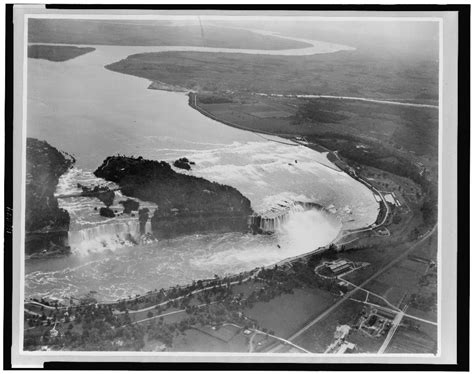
57,53
103,193
183,163
186,204
46,224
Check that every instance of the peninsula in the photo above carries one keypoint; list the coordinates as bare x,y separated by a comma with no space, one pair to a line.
57,53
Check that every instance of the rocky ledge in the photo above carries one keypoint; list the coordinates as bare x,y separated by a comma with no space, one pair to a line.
103,193
183,163
186,204
46,224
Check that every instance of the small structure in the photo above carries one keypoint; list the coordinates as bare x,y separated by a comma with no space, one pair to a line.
53,332
346,346
376,323
342,331
340,344
339,266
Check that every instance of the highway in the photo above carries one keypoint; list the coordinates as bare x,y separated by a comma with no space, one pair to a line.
396,322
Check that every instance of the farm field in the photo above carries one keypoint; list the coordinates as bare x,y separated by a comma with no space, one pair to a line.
321,335
413,341
260,115
197,341
397,283
286,313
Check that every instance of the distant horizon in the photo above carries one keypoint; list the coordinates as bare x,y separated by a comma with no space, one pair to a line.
405,34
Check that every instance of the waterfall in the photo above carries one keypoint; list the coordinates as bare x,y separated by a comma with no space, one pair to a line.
273,219
88,231
107,236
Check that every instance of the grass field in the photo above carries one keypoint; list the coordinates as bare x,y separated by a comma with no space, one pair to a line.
396,283
246,288
196,341
224,333
321,335
414,341
286,313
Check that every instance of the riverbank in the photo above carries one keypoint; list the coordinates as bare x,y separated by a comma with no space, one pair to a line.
331,156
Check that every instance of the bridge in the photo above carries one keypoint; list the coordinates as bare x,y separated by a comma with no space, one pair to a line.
84,194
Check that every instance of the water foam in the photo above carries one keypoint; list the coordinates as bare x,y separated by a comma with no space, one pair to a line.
107,236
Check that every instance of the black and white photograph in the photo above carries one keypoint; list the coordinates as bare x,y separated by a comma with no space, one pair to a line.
226,184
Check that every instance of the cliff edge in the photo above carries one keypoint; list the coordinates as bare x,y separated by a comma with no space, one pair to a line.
46,224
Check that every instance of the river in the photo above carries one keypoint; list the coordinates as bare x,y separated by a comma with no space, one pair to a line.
80,107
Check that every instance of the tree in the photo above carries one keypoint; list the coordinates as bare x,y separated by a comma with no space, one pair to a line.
149,314
127,317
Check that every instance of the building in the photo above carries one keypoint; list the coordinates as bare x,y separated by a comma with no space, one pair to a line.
346,346
386,314
339,266
53,332
342,331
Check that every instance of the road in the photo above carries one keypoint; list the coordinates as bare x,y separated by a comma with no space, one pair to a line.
395,311
271,336
251,348
84,194
255,274
192,293
351,292
354,98
169,313
396,322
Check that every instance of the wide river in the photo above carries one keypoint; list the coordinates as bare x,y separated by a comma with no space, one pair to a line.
82,108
